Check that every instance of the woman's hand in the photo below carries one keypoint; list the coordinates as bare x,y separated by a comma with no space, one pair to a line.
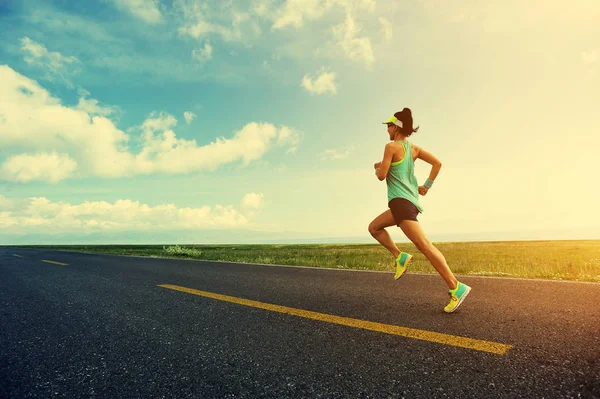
423,190
377,165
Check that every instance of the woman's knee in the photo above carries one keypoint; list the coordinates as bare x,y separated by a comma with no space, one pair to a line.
373,228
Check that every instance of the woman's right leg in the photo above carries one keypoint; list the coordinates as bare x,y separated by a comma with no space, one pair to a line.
415,233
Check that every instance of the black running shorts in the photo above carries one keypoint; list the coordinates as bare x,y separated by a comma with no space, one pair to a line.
403,209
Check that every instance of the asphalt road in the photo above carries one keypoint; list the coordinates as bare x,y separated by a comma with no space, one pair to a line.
109,326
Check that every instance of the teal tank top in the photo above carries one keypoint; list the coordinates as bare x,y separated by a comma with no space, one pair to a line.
401,180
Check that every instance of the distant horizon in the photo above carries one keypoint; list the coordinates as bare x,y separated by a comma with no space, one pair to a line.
291,243
223,237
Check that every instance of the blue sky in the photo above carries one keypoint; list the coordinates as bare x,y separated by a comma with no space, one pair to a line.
247,121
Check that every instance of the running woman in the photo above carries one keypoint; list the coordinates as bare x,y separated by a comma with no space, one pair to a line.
398,169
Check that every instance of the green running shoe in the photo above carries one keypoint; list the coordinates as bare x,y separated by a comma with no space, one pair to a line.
401,263
457,296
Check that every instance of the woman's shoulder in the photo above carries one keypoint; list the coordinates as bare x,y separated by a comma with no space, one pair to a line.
415,149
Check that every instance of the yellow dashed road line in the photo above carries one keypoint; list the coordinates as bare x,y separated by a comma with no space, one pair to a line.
454,340
56,263
17,255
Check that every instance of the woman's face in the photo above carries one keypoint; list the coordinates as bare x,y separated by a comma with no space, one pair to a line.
391,128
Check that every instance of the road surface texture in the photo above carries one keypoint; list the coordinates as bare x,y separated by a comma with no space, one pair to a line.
89,325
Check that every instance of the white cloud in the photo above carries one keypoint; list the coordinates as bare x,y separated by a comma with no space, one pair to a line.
189,116
28,215
83,92
94,143
355,48
387,29
262,8
289,137
203,54
98,148
165,153
51,167
158,121
91,107
252,200
146,10
54,63
195,21
39,55
201,21
346,34
295,11
336,154
325,82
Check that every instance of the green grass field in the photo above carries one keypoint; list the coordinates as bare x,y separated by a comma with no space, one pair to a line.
557,260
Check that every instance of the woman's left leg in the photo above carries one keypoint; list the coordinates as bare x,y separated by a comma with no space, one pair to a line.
378,231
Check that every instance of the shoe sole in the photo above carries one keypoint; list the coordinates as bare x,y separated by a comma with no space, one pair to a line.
406,268
460,301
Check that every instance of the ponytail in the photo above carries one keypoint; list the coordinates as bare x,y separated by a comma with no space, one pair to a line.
407,122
